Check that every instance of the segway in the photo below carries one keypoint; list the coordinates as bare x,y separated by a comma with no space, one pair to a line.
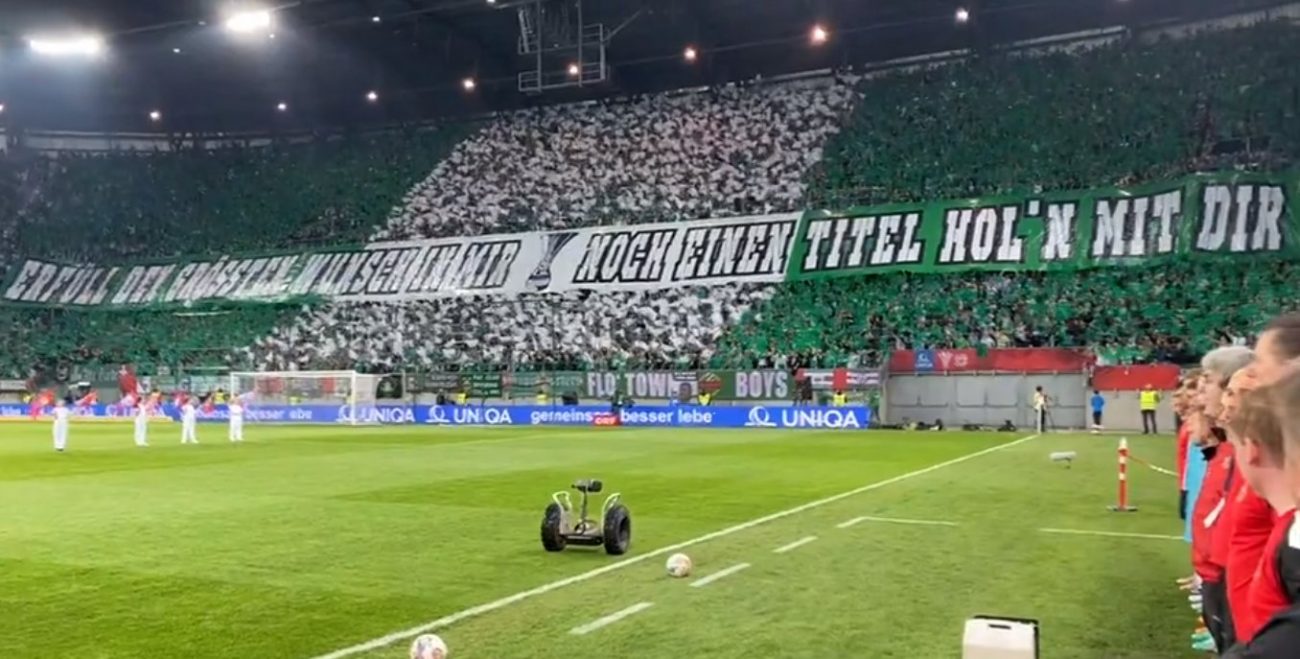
563,526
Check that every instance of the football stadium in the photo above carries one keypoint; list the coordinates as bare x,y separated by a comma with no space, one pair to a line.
495,329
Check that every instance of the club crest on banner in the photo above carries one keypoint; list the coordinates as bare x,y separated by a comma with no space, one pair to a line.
540,278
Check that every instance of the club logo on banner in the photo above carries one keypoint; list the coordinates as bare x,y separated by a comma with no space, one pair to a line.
540,279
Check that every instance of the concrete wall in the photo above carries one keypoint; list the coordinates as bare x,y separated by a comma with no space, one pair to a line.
985,399
1122,411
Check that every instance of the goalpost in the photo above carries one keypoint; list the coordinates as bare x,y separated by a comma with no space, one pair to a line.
347,389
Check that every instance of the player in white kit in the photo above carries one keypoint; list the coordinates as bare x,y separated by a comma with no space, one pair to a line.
189,422
62,415
236,419
142,424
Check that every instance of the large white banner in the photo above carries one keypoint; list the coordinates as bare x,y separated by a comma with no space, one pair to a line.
736,250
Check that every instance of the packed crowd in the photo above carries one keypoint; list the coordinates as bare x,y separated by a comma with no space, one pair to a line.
734,150
110,208
991,126
1136,111
669,329
53,339
1239,475
1121,314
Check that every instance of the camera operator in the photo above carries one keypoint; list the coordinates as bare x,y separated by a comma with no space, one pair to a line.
1040,402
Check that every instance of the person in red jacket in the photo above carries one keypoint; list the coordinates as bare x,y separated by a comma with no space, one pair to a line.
1212,512
1279,636
1255,589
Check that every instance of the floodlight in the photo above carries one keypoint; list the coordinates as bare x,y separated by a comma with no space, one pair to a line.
962,15
819,35
84,45
249,21
372,96
574,69
154,115
690,54
282,106
468,84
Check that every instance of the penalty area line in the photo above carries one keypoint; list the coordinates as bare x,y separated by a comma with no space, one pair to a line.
708,579
794,545
610,619
893,520
1112,534
474,612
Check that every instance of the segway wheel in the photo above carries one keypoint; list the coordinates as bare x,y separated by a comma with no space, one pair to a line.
618,530
552,528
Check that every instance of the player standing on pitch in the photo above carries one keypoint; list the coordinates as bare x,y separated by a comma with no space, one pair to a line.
142,424
62,415
236,408
189,422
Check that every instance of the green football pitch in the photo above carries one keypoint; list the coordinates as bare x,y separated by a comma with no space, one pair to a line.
335,541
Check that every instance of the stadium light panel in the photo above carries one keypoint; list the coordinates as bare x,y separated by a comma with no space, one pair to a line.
690,54
249,21
86,45
962,15
819,35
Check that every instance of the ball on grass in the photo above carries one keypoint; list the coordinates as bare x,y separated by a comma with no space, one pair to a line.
679,565
428,646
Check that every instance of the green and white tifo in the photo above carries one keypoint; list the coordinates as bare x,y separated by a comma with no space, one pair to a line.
345,542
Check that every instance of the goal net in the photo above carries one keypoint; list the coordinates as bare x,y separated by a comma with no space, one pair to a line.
352,392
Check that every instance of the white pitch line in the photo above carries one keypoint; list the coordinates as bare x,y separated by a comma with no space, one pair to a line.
794,545
1113,534
894,520
610,619
475,611
704,581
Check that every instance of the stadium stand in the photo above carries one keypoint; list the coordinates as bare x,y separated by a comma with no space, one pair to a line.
1124,318
1128,112
215,201
730,151
557,331
1140,110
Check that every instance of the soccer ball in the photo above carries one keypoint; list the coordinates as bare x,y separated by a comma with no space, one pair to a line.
428,646
679,565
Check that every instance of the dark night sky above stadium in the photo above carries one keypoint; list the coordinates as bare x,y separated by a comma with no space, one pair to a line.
175,57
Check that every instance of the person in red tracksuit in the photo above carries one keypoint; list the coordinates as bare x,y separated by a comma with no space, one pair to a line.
1274,587
1183,408
1262,504
1212,513
1206,515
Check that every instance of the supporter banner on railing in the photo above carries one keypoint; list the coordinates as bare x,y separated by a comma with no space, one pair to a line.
721,385
736,250
1241,215
1013,360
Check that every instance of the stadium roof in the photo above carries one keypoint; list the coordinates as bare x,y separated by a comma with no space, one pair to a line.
322,58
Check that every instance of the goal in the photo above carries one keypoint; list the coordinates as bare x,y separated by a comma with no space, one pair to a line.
352,392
